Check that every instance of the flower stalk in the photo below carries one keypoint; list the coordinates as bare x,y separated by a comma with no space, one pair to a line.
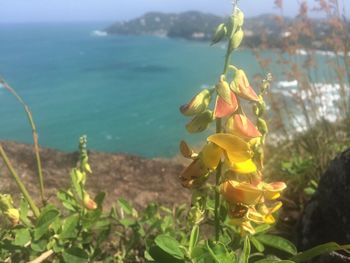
19,182
234,153
34,134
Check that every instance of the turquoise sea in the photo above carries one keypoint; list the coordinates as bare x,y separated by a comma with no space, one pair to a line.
122,91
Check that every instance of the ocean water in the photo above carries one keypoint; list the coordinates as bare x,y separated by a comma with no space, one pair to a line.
123,92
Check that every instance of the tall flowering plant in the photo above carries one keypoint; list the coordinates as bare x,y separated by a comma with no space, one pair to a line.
234,154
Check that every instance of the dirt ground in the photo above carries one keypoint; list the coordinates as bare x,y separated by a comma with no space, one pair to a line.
136,179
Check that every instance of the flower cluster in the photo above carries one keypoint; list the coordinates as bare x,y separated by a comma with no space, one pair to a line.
237,148
235,151
78,176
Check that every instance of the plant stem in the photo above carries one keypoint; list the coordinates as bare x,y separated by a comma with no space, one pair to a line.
35,136
19,183
217,194
218,169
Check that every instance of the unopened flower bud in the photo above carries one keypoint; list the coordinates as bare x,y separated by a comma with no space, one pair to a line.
198,103
13,215
236,39
200,122
219,34
89,203
262,126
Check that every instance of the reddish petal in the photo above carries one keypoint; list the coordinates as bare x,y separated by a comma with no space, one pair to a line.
248,93
245,127
223,109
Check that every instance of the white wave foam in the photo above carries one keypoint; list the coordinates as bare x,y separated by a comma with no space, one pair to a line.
328,53
320,98
287,84
99,33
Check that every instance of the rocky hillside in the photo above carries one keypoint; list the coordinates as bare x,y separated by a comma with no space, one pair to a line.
134,178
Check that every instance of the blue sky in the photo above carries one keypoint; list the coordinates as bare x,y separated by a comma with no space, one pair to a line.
111,10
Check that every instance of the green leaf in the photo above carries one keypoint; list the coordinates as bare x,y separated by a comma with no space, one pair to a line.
219,252
278,242
319,250
39,246
75,255
77,182
193,238
69,227
47,216
200,254
127,222
169,245
244,256
160,256
309,191
127,208
23,212
262,228
68,201
257,244
22,237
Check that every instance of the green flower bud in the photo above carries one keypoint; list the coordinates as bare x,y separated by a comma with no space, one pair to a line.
200,122
219,34
262,126
236,39
198,103
239,17
6,202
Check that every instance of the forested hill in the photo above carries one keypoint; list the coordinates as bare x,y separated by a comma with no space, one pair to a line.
195,25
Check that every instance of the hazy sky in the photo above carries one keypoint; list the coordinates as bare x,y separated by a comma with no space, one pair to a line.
111,10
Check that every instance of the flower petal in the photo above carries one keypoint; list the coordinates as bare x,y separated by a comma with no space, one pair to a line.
186,150
272,191
244,88
269,219
211,155
223,109
235,192
247,226
194,171
237,150
244,127
246,167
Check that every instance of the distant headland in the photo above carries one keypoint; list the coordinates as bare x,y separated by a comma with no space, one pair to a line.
194,25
